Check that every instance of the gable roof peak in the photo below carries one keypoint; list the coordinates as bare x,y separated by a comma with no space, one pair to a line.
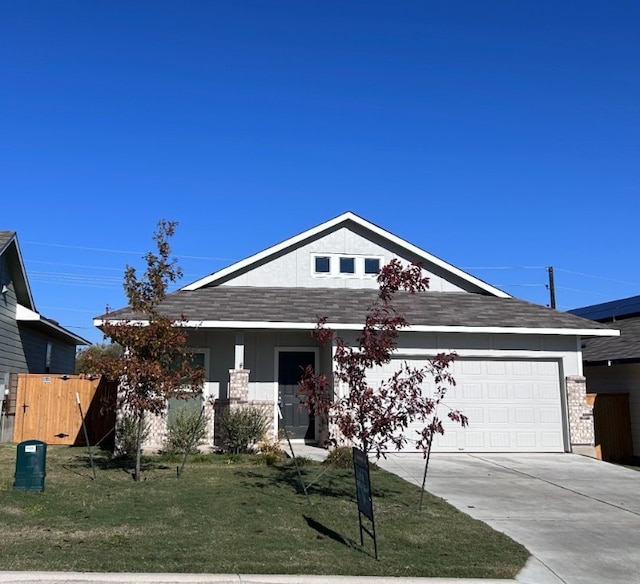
332,224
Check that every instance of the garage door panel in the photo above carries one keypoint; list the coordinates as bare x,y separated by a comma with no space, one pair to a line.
499,415
467,367
512,406
524,416
523,391
547,391
495,367
497,391
525,440
469,391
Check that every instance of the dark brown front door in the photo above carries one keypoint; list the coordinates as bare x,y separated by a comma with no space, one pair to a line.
297,421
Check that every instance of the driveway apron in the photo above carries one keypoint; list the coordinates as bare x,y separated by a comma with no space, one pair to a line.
578,517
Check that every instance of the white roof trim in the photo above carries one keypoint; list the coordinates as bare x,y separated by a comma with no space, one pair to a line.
24,314
332,223
239,324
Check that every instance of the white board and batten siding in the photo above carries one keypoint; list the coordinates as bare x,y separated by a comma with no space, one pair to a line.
512,406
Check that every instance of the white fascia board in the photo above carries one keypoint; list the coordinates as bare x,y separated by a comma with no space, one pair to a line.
332,223
24,314
264,325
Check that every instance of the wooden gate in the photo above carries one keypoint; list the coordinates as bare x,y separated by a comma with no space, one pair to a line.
612,426
47,409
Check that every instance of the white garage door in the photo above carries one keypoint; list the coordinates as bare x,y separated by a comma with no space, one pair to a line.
512,406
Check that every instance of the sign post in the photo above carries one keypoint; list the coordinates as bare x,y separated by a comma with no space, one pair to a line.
293,454
363,491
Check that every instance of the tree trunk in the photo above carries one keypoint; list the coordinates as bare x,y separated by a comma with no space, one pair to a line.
136,474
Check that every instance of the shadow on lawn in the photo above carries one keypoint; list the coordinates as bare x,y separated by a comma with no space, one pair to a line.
104,461
321,480
317,480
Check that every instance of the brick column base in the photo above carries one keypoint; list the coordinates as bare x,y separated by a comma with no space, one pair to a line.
238,398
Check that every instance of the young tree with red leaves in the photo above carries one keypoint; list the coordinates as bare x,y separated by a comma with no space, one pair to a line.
156,364
377,418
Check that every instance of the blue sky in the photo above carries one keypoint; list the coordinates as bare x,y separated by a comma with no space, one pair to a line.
501,136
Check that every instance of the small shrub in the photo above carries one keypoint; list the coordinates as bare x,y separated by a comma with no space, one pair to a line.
303,461
186,431
127,435
271,452
340,457
243,428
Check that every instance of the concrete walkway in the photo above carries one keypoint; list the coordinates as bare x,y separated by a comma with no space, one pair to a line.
579,517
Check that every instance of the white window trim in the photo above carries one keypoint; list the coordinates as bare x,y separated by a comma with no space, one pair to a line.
334,265
328,274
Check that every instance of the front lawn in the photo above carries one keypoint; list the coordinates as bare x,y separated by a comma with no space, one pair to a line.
233,515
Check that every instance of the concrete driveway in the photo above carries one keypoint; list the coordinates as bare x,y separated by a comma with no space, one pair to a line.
579,517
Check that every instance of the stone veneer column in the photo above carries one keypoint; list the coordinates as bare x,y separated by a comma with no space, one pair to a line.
238,386
581,429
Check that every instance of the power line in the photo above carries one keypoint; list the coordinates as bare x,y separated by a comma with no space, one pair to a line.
597,277
581,290
505,268
122,251
94,267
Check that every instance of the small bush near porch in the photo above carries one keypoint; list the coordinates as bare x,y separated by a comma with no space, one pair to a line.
234,514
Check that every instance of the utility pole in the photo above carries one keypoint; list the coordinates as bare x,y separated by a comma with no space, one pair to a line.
552,287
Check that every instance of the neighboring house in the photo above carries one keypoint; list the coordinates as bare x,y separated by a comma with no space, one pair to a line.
519,367
29,342
612,365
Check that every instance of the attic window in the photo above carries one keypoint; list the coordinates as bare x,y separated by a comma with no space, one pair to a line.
371,265
347,265
323,265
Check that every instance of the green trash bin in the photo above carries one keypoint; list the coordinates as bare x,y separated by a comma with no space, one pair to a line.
31,463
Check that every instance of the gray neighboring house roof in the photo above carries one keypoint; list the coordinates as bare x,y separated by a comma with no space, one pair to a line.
622,314
10,249
441,310
30,317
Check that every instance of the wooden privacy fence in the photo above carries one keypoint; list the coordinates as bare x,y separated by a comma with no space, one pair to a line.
612,426
47,409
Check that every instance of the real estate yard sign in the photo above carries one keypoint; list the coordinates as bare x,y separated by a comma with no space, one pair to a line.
363,491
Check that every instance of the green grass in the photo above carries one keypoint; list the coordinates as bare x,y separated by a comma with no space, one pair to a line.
234,515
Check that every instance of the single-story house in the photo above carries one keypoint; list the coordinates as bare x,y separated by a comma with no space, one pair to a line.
612,365
29,342
519,367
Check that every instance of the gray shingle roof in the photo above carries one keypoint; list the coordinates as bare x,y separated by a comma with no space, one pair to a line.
5,237
340,305
626,346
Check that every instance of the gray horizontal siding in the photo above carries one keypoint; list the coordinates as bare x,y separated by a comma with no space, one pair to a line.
12,356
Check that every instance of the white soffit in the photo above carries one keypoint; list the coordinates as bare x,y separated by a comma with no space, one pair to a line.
24,314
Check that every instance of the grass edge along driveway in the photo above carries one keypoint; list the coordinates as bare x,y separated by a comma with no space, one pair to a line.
230,514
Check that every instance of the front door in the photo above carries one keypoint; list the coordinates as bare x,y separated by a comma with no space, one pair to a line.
297,421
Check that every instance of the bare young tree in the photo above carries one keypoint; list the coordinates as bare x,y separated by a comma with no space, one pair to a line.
156,364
